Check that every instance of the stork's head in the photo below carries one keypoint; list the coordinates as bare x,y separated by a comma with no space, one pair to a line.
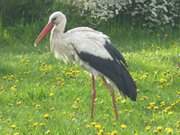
56,19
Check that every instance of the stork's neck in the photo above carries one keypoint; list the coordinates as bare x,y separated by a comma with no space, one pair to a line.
57,34
59,28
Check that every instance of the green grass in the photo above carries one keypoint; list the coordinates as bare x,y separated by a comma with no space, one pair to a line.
40,95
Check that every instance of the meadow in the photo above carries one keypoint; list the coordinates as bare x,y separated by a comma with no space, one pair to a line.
40,95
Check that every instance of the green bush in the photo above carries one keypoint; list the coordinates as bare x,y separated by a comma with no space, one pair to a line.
151,13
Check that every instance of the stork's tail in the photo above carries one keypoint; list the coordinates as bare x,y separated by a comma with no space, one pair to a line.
124,82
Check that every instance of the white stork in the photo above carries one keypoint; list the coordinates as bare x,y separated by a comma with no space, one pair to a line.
94,52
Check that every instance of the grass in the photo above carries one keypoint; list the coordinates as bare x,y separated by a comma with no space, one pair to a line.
40,95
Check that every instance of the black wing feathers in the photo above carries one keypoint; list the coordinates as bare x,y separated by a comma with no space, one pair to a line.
113,70
115,53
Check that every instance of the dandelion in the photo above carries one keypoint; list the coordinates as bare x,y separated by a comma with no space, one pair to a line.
178,93
37,106
159,129
78,100
51,94
143,98
16,133
101,132
118,98
123,126
98,126
152,105
93,124
18,103
167,109
45,68
178,124
35,124
42,124
13,126
162,104
114,132
144,76
47,132
147,128
13,88
169,131
46,116
169,113
163,82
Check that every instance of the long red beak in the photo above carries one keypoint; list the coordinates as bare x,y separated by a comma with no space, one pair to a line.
43,33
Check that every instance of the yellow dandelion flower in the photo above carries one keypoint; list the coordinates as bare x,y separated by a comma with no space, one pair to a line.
167,109
178,93
93,124
42,124
78,100
47,132
147,128
18,103
16,133
46,116
13,126
162,104
35,124
98,126
156,107
37,106
123,101
178,124
51,94
118,99
101,132
13,88
123,126
114,132
143,98
162,81
169,113
152,104
159,129
169,131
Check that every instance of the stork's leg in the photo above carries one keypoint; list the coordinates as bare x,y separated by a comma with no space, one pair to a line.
113,97
93,96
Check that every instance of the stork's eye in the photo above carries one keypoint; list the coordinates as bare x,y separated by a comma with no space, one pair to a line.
53,19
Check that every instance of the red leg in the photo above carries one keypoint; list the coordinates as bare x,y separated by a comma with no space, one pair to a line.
93,96
113,97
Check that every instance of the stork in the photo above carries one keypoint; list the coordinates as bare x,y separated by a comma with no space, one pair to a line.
93,51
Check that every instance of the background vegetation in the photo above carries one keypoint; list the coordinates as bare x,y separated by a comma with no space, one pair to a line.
40,95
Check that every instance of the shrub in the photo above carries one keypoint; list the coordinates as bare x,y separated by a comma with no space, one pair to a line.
152,13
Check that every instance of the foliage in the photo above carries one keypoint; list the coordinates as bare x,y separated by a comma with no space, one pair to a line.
152,12
22,11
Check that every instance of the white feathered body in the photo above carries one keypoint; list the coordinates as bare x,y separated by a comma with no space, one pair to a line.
84,39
